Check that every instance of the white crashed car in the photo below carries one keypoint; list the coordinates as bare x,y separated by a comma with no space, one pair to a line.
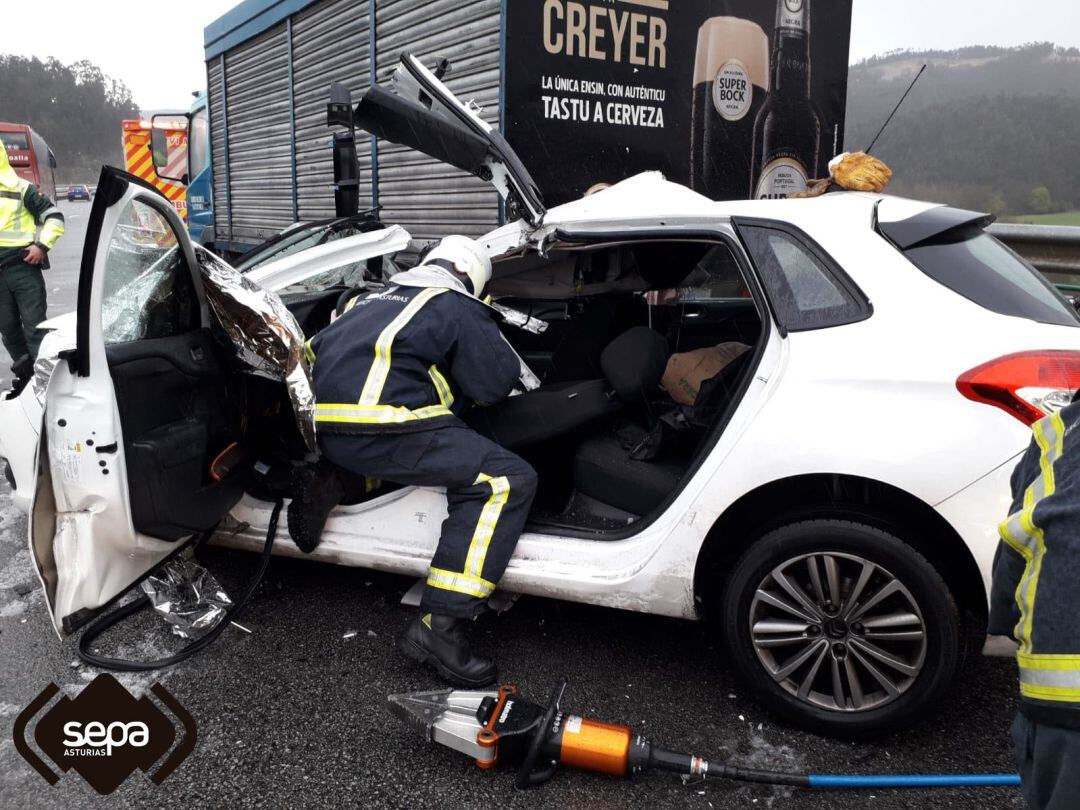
830,499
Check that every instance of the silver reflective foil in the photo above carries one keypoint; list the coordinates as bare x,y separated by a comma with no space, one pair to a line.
43,371
187,596
266,336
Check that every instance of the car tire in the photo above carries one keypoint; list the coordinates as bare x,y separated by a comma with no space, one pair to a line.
764,642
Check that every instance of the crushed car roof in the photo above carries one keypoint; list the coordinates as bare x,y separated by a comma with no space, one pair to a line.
649,196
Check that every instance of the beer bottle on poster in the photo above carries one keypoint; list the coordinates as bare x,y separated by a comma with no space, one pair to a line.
787,133
731,82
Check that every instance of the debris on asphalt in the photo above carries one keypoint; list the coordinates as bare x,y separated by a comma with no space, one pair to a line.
23,588
351,634
372,634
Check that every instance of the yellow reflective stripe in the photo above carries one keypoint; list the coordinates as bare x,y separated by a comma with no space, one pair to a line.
51,231
375,414
352,303
380,368
1050,676
442,387
1067,694
1048,661
1051,452
460,583
309,352
1021,533
15,216
485,525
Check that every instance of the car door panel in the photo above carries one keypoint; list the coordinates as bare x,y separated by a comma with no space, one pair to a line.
139,395
171,397
420,112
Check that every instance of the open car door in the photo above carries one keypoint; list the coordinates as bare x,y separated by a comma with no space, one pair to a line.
135,415
420,112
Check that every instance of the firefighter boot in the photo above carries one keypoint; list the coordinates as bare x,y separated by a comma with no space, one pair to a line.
440,642
317,489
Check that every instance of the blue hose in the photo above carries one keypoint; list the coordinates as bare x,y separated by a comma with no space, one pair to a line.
915,780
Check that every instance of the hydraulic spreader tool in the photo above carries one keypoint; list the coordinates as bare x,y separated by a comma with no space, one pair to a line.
501,727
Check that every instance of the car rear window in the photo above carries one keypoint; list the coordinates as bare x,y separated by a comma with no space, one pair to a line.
974,264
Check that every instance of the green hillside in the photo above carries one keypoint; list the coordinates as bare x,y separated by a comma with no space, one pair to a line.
986,128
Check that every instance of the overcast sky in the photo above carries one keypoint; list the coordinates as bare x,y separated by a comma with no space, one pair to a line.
161,59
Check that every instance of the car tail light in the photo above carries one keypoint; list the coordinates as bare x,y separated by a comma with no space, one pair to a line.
1028,385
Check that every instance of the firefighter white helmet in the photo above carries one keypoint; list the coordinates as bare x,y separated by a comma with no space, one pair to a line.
467,259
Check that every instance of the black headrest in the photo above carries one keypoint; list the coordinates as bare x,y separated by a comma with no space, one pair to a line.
634,362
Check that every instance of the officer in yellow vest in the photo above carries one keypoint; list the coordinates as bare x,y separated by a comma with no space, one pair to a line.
23,255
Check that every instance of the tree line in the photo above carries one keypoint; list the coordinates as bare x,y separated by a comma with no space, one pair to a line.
985,128
76,108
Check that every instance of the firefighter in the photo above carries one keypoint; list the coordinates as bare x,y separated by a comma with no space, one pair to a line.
23,255
1034,598
389,375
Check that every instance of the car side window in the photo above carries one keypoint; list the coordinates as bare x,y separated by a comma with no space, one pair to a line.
148,288
806,292
716,277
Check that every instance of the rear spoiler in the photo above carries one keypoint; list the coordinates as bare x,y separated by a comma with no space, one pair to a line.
930,224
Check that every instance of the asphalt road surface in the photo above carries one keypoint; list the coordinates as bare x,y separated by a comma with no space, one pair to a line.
294,713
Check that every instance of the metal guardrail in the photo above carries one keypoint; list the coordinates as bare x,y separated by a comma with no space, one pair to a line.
1053,249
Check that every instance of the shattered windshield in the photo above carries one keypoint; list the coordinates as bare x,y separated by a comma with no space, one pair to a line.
302,236
348,275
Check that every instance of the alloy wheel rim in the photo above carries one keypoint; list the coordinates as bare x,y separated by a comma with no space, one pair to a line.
838,631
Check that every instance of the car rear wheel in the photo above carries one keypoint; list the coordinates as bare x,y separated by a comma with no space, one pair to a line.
841,627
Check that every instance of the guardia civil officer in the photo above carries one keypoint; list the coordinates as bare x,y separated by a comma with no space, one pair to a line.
388,375
23,255
1035,597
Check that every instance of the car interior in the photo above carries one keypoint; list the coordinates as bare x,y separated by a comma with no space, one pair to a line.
609,429
610,444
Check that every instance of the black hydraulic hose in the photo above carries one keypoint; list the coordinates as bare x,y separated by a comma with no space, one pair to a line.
103,623
676,762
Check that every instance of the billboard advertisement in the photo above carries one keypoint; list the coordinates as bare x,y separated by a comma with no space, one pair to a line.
735,98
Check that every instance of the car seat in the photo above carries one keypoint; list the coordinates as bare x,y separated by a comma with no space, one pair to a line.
606,470
633,364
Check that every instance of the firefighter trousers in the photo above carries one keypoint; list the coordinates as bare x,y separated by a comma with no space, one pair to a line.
1049,762
488,493
22,308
